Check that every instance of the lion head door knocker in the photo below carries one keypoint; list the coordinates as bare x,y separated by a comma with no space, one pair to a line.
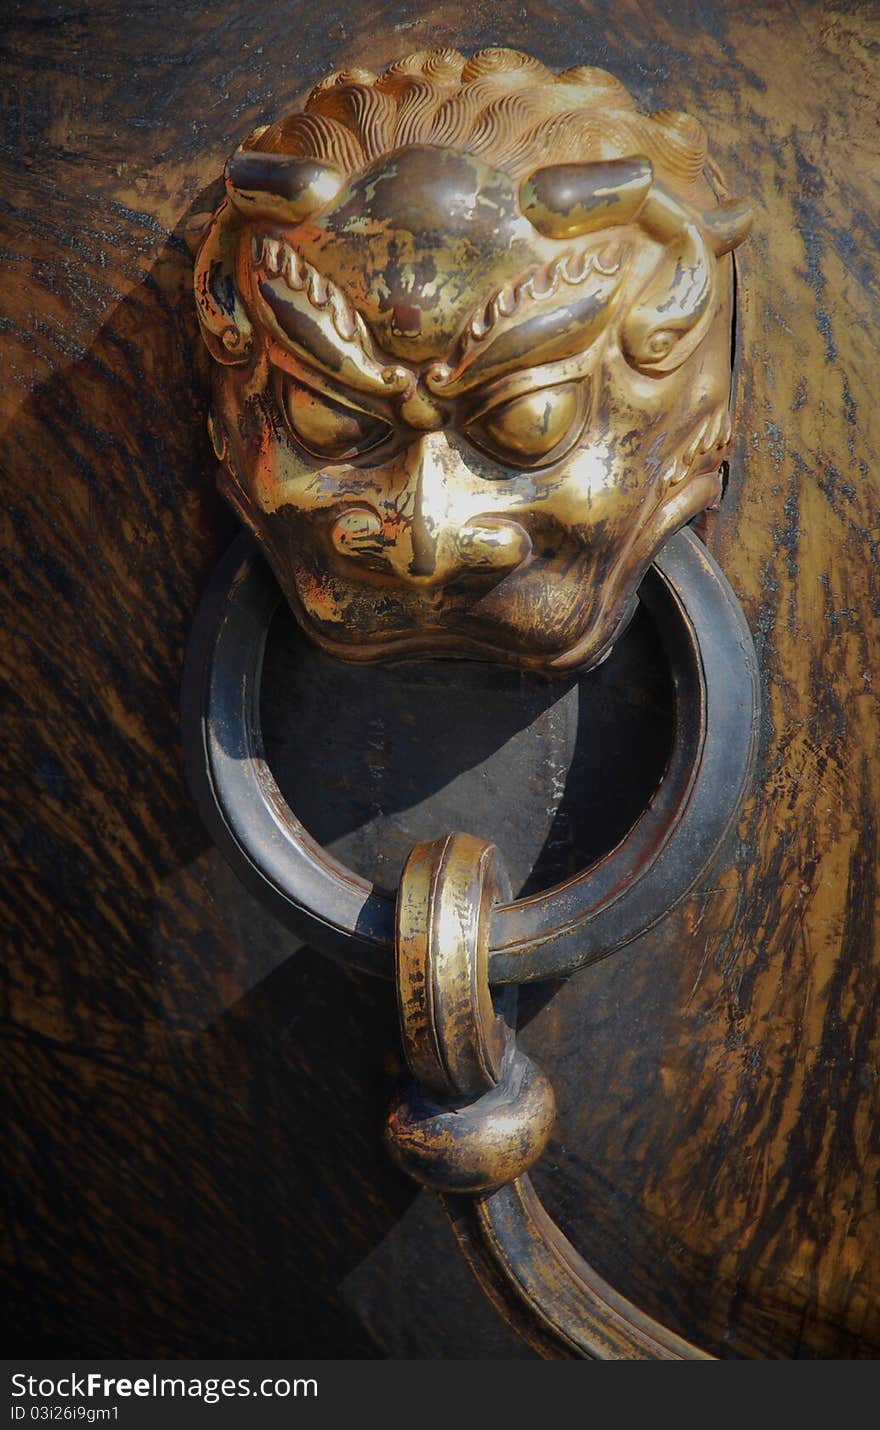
471,330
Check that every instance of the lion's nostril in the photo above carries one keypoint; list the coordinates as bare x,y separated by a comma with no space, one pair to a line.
493,544
355,527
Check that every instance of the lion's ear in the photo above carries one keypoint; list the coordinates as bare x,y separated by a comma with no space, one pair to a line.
277,186
567,200
728,225
225,325
675,309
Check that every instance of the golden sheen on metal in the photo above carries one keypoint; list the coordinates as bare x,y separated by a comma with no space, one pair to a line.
471,329
481,1112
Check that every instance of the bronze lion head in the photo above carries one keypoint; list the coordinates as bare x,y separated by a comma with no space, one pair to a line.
471,329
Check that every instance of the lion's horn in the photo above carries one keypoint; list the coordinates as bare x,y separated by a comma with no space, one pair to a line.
277,186
566,200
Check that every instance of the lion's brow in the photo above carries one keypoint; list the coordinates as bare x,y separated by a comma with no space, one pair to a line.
550,312
555,311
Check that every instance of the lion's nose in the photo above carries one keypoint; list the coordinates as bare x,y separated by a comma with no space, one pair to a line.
430,530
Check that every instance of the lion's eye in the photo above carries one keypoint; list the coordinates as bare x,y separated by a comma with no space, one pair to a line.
534,429
327,428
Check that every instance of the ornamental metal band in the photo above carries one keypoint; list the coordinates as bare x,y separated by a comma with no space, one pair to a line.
471,329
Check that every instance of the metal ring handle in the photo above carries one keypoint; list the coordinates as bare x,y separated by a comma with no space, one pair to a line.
712,661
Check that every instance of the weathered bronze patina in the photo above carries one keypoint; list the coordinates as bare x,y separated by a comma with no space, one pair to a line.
471,324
